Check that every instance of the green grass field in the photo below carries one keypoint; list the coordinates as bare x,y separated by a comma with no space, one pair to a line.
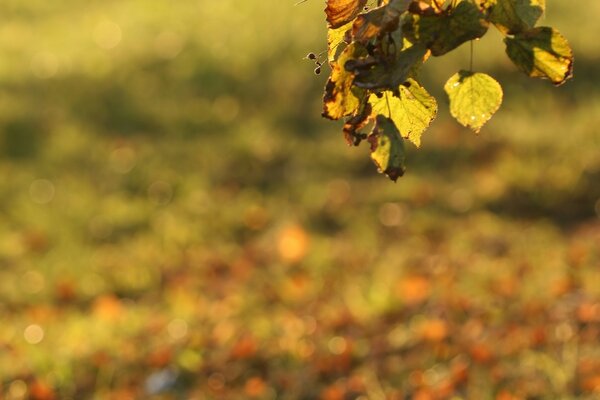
178,222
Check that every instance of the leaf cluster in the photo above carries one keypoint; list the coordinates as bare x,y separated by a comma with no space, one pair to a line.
375,54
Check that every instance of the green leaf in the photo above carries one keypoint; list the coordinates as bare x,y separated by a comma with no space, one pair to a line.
412,109
341,97
474,98
542,53
515,16
444,32
387,148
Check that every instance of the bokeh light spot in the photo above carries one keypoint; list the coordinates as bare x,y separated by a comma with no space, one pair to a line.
392,214
41,191
564,332
33,334
293,243
17,390
122,160
107,34
33,282
160,193
168,45
177,328
216,381
337,345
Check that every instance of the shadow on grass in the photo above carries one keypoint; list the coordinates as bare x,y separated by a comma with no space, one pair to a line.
145,98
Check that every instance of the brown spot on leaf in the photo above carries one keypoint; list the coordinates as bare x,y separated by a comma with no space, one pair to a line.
356,122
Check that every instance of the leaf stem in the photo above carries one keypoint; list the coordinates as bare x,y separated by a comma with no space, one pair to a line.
471,61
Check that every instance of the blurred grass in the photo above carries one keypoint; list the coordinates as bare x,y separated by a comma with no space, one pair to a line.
177,221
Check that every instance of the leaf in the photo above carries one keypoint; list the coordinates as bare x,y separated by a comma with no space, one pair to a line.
444,32
341,98
340,12
335,37
387,148
515,16
412,109
375,74
474,98
542,53
356,122
380,20
424,7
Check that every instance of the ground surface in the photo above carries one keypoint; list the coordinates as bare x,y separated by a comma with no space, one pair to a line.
177,222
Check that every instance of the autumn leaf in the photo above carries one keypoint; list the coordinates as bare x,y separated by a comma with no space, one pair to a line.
542,53
412,109
340,12
380,20
356,122
387,148
375,54
515,16
335,38
371,73
474,98
444,32
341,98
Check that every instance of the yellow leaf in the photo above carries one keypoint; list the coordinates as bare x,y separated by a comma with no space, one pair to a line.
474,98
341,98
412,109
542,53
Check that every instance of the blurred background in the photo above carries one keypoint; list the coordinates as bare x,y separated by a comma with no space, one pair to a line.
178,222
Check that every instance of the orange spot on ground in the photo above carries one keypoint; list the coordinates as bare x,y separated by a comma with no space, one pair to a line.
255,387
413,290
245,348
292,244
107,307
39,390
433,330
